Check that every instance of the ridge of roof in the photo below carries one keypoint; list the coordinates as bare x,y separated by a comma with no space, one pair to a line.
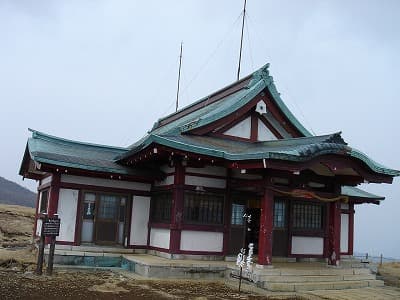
255,83
44,136
205,98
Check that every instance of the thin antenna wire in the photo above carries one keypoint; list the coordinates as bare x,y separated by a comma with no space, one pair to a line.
241,39
248,41
179,79
213,53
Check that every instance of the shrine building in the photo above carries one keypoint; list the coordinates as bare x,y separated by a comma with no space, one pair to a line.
182,190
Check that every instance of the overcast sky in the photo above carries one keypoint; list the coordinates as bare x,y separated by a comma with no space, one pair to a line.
105,71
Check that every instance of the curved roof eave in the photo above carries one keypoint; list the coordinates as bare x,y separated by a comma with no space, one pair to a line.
169,142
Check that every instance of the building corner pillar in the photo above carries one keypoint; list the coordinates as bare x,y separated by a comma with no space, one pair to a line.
266,226
54,194
334,233
177,208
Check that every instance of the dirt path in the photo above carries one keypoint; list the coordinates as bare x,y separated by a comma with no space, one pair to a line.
110,285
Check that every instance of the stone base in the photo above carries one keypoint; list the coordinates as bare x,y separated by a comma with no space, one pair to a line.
264,266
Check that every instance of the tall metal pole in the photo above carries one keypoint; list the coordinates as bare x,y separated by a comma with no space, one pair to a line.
179,79
241,39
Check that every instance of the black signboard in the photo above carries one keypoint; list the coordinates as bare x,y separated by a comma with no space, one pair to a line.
51,227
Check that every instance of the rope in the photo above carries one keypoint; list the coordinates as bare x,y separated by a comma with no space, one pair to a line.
309,194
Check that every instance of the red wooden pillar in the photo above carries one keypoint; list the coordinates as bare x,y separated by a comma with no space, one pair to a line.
351,228
227,215
54,194
334,233
177,208
266,223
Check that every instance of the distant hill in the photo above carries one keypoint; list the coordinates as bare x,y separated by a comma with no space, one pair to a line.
13,193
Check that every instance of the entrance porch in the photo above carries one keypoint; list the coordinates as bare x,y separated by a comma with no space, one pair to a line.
282,277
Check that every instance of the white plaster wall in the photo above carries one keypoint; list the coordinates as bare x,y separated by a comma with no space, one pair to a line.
159,237
201,241
344,206
208,170
167,169
140,220
236,174
106,182
344,233
67,208
40,202
46,180
167,181
241,129
264,134
204,181
38,227
307,245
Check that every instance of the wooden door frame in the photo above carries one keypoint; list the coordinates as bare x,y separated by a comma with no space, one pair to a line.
97,194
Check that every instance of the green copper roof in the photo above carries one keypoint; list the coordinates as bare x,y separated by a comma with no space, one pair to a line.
225,106
44,148
359,193
294,149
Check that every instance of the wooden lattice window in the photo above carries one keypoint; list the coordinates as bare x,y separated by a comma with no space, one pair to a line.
161,206
279,214
237,214
203,208
307,216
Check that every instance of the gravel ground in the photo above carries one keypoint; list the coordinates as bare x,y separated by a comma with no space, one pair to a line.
109,285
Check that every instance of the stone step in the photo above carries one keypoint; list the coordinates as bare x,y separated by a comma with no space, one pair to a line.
310,286
311,272
315,278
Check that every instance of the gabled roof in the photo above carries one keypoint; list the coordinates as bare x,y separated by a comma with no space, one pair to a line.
52,150
175,130
223,103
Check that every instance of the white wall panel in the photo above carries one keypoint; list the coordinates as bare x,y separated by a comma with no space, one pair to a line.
46,180
307,245
38,226
140,220
204,181
159,237
67,209
167,181
242,129
264,134
106,182
344,206
167,169
236,174
344,233
201,241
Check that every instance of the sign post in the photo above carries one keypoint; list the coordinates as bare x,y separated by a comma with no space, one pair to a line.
39,266
50,228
